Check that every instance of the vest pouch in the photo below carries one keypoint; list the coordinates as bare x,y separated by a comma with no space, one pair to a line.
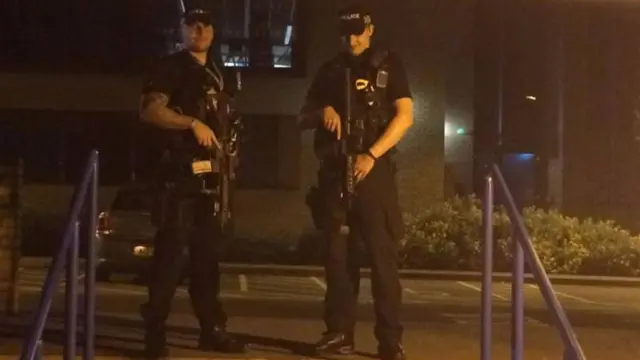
382,78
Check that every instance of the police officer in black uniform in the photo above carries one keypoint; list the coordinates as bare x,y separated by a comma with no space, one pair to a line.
381,102
181,97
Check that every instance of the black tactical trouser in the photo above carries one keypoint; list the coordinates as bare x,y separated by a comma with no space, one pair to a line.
376,221
186,222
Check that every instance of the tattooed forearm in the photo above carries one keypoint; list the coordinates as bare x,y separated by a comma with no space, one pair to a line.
153,109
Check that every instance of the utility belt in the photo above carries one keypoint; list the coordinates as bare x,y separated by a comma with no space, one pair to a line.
332,167
364,133
174,203
174,167
174,180
202,181
325,199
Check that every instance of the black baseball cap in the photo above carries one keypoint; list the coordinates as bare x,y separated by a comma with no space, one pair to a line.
195,15
353,20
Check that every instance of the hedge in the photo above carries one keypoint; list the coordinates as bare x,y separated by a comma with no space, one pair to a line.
448,236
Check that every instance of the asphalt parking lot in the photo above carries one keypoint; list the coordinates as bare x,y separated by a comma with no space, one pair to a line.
281,316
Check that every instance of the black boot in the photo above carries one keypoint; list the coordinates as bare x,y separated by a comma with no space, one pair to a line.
155,343
155,337
335,343
392,353
219,340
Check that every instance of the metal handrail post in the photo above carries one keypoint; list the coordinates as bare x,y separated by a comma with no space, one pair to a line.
90,268
32,347
487,270
71,294
53,275
39,351
562,322
517,299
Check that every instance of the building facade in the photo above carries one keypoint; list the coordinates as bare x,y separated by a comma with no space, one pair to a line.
53,109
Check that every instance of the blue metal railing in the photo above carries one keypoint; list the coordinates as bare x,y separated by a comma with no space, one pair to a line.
523,249
68,254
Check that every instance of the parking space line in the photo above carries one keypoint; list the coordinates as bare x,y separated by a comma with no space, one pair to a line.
426,297
572,297
244,285
535,322
319,282
497,319
469,286
423,289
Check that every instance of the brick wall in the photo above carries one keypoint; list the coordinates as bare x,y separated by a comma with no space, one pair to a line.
427,34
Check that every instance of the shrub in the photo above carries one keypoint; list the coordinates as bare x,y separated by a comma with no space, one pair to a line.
447,236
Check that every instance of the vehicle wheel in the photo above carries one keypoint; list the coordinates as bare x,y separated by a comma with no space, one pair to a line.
103,274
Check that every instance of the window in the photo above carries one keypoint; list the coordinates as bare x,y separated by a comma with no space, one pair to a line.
259,37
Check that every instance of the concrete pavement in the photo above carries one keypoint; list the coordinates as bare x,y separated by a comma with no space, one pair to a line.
119,336
452,302
416,291
441,318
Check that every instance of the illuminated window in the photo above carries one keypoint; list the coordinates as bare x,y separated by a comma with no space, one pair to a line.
258,37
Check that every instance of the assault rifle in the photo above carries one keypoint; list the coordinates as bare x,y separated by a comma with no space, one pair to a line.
225,160
348,178
332,199
350,146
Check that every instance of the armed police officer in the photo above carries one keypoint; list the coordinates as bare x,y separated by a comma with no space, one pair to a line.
189,99
361,106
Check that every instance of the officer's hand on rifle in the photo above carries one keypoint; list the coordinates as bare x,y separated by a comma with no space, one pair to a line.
331,121
363,165
204,134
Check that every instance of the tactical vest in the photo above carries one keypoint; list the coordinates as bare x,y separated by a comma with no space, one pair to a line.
369,103
176,149
371,110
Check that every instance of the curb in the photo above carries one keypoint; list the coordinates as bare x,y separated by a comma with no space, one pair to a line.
34,263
